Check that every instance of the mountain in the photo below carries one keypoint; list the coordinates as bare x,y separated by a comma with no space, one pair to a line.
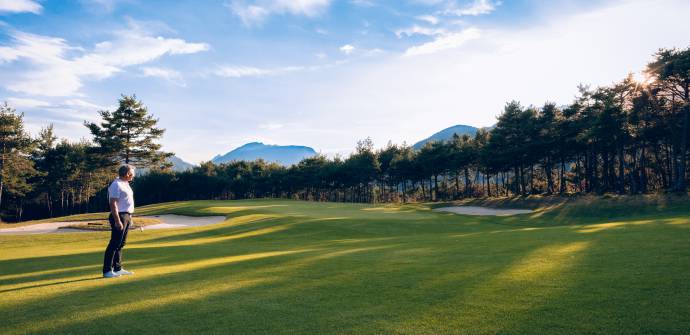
179,165
447,134
282,154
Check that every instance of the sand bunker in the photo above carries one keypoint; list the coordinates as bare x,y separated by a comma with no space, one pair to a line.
476,210
180,221
169,221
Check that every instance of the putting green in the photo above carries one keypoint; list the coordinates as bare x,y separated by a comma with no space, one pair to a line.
279,266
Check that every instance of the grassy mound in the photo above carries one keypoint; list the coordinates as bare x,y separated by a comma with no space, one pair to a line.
277,266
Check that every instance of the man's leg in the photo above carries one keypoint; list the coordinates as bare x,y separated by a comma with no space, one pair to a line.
111,249
117,259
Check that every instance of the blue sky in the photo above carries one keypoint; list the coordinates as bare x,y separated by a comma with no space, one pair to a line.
321,73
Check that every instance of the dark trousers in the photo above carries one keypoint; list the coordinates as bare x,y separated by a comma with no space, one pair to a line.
112,260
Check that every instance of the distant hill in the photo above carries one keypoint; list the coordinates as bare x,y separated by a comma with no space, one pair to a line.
179,165
282,154
447,134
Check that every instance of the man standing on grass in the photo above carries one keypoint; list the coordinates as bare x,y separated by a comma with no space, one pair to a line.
121,199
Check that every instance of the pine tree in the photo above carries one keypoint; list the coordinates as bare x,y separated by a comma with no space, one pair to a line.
128,136
15,146
672,68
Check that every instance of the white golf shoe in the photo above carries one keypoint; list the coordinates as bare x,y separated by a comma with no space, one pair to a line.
123,272
110,274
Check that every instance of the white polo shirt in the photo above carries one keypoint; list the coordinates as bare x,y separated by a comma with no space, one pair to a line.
120,190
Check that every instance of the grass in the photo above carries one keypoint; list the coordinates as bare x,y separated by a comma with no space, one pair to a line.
290,267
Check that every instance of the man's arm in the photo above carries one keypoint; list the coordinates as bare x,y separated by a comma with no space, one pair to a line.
115,212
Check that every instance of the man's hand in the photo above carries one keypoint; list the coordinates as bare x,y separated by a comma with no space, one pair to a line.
115,214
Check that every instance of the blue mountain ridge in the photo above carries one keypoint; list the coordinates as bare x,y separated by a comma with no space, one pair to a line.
447,134
281,154
180,165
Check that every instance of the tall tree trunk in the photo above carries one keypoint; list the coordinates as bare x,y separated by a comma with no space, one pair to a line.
561,177
467,182
660,163
549,177
531,178
681,181
621,170
488,185
643,171
435,188
2,171
517,180
404,186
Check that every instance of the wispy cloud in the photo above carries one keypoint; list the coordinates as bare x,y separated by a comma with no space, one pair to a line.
271,126
445,42
429,19
363,3
347,49
255,12
233,71
167,74
420,30
107,5
26,103
475,8
20,6
58,69
85,105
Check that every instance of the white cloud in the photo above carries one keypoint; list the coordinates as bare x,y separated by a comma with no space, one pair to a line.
419,30
429,19
347,49
271,126
85,105
67,116
363,3
477,7
255,12
233,71
20,6
170,75
53,72
471,84
249,14
107,5
19,103
445,42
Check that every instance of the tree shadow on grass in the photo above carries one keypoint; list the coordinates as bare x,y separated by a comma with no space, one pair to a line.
634,281
353,281
52,284
138,290
356,279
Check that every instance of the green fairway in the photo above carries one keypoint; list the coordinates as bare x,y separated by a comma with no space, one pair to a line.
291,267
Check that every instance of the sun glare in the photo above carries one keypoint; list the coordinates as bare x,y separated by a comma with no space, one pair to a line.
640,77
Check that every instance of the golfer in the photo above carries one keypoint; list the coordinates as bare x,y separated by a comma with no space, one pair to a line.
121,200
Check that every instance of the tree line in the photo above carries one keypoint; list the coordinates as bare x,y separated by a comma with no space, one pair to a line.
630,137
46,177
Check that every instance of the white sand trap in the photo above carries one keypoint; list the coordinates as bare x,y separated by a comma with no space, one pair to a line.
169,221
181,221
482,211
41,228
